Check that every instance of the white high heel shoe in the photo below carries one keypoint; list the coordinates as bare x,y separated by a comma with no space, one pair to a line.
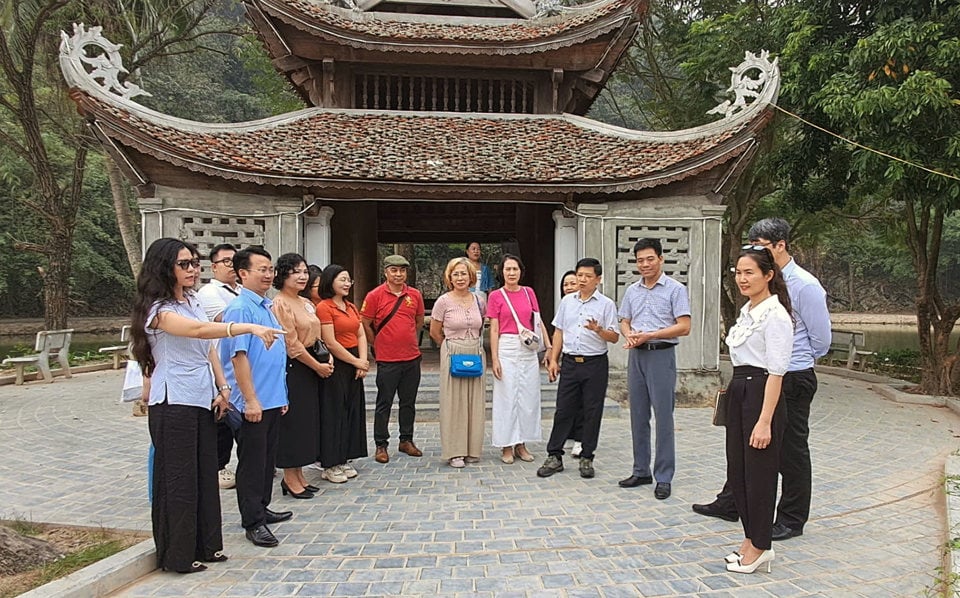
766,558
733,557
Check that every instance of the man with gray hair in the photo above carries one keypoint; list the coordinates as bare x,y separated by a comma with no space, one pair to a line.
811,340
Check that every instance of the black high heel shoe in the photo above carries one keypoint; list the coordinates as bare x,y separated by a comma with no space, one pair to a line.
305,494
218,557
311,488
195,567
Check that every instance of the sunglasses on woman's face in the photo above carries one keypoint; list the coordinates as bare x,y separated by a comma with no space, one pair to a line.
186,264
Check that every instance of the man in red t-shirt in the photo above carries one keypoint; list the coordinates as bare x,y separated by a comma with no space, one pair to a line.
392,316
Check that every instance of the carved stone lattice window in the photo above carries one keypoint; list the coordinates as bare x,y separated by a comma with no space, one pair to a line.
208,231
379,91
676,253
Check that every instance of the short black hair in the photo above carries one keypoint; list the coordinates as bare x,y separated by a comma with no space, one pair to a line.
241,260
329,274
590,262
286,263
221,247
771,229
648,243
503,260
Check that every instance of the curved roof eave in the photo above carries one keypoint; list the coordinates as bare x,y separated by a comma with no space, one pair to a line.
399,33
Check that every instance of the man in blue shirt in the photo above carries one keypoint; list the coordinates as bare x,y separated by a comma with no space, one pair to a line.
258,377
811,340
655,312
585,322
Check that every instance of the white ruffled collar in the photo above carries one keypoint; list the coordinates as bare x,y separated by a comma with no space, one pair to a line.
750,320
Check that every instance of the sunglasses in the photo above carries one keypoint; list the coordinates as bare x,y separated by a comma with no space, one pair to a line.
186,264
754,248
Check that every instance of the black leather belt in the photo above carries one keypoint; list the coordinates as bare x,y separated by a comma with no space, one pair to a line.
654,346
583,358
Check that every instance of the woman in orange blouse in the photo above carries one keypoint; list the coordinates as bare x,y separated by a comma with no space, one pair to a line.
300,427
343,422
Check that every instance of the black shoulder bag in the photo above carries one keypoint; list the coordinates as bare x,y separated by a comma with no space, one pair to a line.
396,306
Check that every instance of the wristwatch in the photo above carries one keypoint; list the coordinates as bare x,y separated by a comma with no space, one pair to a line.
225,387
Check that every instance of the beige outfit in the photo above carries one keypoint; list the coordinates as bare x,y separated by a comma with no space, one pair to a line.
462,400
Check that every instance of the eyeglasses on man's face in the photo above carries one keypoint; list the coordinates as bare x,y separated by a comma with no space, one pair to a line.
227,261
186,264
264,271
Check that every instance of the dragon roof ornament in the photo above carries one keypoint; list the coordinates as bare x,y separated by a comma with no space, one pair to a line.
100,69
753,80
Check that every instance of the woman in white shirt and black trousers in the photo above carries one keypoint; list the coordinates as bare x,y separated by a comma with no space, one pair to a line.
760,345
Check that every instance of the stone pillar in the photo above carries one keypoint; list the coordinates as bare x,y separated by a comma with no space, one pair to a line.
565,247
317,238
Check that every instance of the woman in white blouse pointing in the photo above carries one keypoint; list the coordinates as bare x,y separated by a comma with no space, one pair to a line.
760,345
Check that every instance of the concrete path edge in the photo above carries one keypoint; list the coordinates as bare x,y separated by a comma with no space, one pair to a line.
102,577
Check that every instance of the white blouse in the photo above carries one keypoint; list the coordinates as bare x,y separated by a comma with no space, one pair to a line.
762,337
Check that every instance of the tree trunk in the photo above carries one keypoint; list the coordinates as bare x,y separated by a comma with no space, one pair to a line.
56,279
125,221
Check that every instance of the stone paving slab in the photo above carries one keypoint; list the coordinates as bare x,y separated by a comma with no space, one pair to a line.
72,454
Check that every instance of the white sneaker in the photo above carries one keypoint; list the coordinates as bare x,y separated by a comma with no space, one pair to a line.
348,470
315,465
334,474
227,479
577,448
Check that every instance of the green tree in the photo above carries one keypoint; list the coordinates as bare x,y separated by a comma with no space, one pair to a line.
898,93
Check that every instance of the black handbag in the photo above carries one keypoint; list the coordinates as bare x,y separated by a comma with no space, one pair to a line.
720,408
320,352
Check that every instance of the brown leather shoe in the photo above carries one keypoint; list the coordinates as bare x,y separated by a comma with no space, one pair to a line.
408,447
382,456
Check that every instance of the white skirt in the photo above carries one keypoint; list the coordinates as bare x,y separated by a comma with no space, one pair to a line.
516,396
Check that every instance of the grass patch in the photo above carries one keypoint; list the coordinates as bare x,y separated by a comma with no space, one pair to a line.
78,560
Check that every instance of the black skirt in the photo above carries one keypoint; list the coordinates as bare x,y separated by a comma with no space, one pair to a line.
300,427
343,418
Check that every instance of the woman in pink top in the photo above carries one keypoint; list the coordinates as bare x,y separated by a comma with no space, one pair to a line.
456,325
516,368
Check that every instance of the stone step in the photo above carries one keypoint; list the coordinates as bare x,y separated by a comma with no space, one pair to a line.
428,398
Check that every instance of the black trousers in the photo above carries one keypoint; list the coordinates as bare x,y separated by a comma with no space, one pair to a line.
343,416
580,394
799,387
186,498
224,444
256,454
401,378
751,472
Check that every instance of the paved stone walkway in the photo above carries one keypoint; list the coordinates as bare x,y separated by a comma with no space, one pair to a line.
71,454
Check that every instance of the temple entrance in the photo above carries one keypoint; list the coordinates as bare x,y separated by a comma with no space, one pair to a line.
429,233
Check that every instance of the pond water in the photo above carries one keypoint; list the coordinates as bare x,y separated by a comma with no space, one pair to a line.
879,337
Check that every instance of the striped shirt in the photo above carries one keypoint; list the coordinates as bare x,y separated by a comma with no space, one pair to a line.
657,307
183,375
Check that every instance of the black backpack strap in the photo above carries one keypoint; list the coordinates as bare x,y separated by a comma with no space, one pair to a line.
396,306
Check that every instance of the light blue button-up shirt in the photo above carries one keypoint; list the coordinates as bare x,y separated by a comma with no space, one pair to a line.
657,307
268,366
572,315
183,375
812,335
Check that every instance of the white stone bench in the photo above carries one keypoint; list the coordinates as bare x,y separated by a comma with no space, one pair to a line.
119,351
851,343
56,342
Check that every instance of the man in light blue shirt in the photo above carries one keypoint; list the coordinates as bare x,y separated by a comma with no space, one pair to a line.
258,377
811,340
585,322
654,313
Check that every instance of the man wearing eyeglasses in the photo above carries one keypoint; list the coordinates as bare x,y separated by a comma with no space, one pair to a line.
654,314
257,375
214,297
811,340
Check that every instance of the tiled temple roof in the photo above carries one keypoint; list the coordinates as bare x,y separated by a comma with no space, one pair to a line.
436,34
368,149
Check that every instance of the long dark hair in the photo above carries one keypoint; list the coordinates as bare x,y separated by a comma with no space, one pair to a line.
155,282
763,258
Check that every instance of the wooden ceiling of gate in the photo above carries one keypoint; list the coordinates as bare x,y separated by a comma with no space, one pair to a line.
440,222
